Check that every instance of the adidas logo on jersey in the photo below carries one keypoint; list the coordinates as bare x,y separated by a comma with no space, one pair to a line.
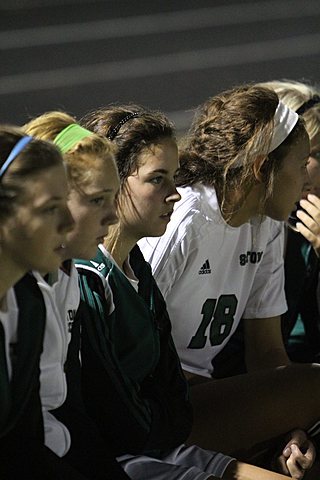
205,269
98,266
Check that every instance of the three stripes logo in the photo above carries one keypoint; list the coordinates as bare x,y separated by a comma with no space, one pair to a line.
205,269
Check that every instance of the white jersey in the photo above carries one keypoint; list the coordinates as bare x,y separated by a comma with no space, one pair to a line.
212,275
62,299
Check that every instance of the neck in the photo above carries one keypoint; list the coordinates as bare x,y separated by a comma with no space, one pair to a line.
10,274
121,248
242,210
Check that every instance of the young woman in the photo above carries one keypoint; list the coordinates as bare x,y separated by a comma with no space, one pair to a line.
34,223
301,260
93,183
132,380
242,168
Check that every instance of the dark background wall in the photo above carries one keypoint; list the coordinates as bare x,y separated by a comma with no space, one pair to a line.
77,55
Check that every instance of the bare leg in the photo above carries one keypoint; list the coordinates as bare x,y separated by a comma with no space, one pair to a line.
243,471
237,413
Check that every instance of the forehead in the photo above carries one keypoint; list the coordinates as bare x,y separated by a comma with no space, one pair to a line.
45,186
101,175
163,152
298,152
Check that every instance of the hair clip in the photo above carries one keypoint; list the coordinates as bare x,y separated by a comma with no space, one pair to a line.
114,130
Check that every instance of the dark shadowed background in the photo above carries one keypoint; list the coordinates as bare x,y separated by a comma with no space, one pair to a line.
77,55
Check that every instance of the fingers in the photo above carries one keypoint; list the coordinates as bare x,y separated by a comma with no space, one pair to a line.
281,464
309,455
294,463
298,455
309,226
297,436
298,462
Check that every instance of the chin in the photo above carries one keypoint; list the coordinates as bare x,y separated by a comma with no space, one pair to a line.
159,233
276,215
88,254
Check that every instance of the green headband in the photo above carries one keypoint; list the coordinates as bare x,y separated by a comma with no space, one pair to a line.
70,136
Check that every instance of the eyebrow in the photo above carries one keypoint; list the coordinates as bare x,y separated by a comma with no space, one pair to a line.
104,190
49,200
159,170
162,170
55,198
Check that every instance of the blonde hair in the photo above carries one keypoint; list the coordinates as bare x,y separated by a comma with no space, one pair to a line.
80,159
294,95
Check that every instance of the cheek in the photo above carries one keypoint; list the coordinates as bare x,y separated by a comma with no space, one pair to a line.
82,217
35,229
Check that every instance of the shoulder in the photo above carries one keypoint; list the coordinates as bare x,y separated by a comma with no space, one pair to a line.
99,266
94,280
276,230
191,224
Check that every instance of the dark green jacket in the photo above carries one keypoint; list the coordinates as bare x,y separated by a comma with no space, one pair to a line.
133,384
301,284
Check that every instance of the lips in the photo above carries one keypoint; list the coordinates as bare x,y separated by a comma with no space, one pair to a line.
167,215
100,239
60,247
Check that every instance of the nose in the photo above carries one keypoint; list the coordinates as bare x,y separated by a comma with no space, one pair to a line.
315,190
174,196
307,188
66,221
111,217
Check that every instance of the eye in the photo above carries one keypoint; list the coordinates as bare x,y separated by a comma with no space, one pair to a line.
51,210
156,180
97,201
315,155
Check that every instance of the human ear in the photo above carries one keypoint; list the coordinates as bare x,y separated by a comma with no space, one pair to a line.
258,168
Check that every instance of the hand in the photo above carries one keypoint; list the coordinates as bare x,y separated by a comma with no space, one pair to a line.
309,226
297,456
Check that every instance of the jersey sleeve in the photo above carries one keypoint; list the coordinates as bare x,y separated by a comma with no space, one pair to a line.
136,418
267,297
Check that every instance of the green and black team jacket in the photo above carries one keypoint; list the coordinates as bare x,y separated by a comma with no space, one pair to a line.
20,411
22,450
301,268
133,385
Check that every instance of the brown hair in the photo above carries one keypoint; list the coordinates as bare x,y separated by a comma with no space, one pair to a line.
36,156
139,132
229,132
133,129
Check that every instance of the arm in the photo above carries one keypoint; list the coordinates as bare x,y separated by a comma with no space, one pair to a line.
264,349
297,456
263,344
